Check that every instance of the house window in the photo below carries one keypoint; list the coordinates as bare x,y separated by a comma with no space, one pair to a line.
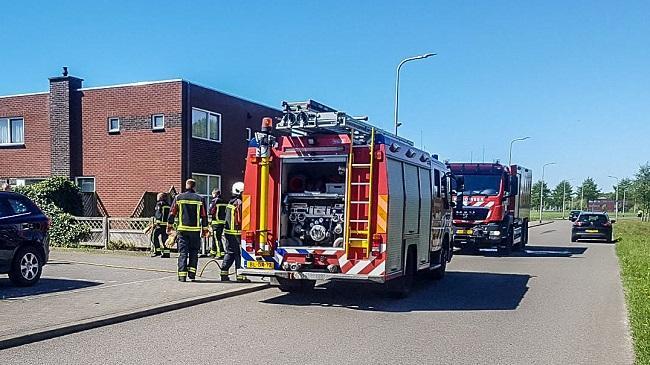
113,125
158,121
86,184
27,182
206,125
12,131
206,183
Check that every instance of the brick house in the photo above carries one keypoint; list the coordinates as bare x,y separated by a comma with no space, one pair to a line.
121,141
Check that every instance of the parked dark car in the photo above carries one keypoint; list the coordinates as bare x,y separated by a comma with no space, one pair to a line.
573,215
590,225
24,247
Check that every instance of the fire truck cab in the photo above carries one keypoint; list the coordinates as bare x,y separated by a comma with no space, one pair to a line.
495,208
330,197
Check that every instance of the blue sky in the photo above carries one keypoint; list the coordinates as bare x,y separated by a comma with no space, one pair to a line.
573,75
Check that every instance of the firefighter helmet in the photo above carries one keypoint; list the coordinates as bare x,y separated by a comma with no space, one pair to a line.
238,188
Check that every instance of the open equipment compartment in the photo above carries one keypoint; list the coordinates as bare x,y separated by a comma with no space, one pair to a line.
313,201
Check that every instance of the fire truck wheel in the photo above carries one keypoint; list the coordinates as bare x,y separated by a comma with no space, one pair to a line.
525,234
292,286
506,249
439,273
401,287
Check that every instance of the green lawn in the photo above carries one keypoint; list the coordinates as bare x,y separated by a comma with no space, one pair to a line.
633,249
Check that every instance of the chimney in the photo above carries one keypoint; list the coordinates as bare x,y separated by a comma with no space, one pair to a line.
65,125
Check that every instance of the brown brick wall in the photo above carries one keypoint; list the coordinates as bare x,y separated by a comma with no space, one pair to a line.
32,159
137,159
225,158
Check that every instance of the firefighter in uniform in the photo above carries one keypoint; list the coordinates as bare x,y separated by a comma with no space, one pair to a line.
218,215
160,236
232,229
192,223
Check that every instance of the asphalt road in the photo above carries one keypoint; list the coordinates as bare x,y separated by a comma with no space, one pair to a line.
557,303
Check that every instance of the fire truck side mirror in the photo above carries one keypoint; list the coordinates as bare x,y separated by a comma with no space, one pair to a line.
460,182
514,185
460,187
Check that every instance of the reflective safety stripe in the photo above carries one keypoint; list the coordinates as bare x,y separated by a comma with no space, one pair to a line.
165,214
225,273
221,211
230,221
181,207
182,273
191,269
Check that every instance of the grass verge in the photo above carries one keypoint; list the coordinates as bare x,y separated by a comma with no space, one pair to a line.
633,250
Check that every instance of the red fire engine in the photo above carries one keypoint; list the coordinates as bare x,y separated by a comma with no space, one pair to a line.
495,208
330,197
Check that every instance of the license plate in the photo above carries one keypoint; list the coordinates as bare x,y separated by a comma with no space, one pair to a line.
591,231
267,265
464,231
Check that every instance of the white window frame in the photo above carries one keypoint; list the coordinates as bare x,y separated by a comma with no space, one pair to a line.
8,120
27,181
76,181
218,140
111,130
209,193
153,125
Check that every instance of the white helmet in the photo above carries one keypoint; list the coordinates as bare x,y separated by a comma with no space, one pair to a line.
238,188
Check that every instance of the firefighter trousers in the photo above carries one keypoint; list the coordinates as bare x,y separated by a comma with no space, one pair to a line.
217,245
159,238
233,253
188,244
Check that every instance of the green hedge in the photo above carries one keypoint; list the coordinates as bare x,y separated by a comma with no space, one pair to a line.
60,200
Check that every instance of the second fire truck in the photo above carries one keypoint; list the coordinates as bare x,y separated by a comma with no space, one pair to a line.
330,197
495,208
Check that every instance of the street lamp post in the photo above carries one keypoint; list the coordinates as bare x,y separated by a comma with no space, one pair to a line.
624,191
399,67
616,198
511,143
541,191
563,196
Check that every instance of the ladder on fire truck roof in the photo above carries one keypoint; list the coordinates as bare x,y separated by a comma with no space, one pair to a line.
309,117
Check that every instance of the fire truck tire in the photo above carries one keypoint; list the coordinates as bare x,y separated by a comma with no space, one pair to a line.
439,273
525,234
507,248
401,287
292,286
445,256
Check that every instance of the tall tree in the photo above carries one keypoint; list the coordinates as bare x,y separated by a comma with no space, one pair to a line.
626,189
642,187
535,194
563,188
591,191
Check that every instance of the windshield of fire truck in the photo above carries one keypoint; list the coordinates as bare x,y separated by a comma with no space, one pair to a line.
482,184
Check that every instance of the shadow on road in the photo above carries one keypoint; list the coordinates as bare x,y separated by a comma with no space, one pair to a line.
531,251
458,291
44,286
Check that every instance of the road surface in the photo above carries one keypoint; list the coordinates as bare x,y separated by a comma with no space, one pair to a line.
557,303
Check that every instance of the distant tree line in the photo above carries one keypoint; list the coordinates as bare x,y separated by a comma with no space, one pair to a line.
635,189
